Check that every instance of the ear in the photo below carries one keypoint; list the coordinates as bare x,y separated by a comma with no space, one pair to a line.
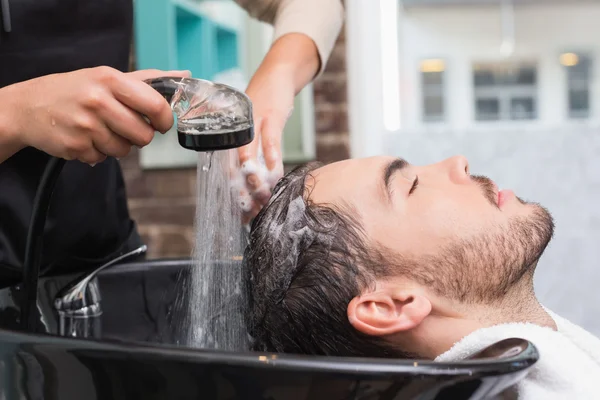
384,313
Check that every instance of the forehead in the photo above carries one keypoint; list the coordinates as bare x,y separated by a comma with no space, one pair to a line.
356,182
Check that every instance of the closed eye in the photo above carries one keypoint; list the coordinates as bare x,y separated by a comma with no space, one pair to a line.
414,185
396,165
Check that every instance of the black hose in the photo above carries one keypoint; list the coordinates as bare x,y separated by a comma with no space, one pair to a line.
33,247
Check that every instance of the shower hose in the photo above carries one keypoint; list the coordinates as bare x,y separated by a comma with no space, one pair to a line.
33,246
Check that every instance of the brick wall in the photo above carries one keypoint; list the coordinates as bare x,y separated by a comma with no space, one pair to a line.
163,202
331,108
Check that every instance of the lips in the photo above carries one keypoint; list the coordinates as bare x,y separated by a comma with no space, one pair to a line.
500,198
503,196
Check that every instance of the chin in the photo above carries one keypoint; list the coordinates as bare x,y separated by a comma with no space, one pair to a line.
543,220
538,218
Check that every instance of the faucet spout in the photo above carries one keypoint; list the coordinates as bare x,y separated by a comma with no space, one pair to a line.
78,304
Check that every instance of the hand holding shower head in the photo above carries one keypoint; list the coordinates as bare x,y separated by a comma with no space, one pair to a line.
210,116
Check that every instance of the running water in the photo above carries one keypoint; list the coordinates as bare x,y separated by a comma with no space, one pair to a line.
206,164
210,300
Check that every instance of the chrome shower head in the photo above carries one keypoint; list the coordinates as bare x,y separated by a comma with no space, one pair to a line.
210,116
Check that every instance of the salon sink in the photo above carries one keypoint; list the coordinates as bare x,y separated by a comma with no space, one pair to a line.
137,355
138,300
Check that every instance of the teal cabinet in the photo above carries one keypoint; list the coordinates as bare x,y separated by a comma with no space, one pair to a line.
182,35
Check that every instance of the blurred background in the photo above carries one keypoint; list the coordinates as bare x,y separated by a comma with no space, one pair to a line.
512,85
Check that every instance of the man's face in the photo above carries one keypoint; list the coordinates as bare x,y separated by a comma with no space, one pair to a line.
479,240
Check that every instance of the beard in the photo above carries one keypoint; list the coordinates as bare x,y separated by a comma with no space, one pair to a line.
485,267
488,189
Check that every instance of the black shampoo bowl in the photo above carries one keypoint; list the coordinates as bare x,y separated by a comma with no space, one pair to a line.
137,358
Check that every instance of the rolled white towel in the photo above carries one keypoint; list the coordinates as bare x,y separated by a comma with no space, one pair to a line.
569,364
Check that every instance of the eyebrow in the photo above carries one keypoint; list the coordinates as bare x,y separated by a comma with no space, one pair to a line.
394,166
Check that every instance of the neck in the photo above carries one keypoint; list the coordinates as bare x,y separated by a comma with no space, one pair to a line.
448,324
518,305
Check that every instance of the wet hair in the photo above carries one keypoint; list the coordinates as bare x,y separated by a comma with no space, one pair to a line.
304,264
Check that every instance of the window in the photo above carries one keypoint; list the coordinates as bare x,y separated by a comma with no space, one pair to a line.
505,91
578,83
432,88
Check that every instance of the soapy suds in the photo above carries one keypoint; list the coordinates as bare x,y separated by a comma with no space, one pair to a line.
209,308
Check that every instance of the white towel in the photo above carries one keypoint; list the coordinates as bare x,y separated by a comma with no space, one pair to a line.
569,364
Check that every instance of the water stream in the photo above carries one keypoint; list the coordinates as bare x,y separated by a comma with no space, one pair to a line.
210,299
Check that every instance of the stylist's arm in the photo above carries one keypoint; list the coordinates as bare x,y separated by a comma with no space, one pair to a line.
305,33
84,115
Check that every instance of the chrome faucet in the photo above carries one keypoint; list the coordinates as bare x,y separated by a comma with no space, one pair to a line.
78,304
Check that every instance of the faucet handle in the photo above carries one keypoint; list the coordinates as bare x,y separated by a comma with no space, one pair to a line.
79,294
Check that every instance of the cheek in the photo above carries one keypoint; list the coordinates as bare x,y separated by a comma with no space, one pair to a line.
433,220
431,224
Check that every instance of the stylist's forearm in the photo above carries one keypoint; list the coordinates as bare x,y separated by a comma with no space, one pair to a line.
295,54
9,137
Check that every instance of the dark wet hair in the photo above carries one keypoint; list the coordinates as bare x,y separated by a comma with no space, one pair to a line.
303,265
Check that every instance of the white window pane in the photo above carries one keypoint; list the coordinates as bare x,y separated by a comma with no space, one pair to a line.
433,91
578,81
526,76
432,95
433,108
505,91
522,108
483,78
487,109
579,103
432,78
581,70
504,74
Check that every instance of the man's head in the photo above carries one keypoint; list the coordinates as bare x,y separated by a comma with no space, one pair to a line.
355,257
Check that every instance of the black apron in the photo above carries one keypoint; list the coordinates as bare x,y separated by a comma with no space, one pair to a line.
88,221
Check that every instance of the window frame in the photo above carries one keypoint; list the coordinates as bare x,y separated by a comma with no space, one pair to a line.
433,91
579,85
505,93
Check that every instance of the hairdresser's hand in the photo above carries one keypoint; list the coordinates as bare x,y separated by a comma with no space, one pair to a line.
272,98
89,114
289,66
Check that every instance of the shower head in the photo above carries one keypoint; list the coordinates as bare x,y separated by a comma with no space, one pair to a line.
210,116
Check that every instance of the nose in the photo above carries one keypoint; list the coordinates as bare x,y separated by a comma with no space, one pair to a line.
458,168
